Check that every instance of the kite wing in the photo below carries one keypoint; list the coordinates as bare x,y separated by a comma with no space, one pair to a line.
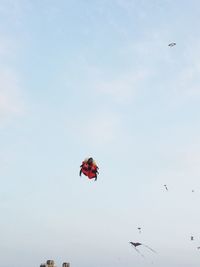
135,244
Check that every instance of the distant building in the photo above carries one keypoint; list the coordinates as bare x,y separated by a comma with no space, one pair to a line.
51,263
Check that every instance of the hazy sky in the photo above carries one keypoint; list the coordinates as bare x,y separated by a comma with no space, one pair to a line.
96,78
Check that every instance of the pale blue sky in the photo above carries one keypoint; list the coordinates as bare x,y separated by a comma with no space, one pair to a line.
97,78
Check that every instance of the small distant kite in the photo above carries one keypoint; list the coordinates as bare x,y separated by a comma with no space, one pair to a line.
135,245
166,187
198,247
192,238
89,168
192,191
171,44
139,228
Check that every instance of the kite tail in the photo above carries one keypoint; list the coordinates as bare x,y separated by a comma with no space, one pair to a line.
150,248
139,252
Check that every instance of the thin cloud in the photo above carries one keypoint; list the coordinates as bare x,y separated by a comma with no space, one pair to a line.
10,94
100,129
189,79
13,9
123,89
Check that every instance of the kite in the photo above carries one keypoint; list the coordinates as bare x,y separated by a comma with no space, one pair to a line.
171,44
166,187
192,238
139,228
135,245
89,168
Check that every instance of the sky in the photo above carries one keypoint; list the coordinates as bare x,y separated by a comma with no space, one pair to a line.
97,78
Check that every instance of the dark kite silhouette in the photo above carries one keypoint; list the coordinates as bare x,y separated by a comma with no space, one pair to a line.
171,44
166,187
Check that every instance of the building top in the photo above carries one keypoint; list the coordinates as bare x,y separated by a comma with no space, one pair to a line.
51,263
